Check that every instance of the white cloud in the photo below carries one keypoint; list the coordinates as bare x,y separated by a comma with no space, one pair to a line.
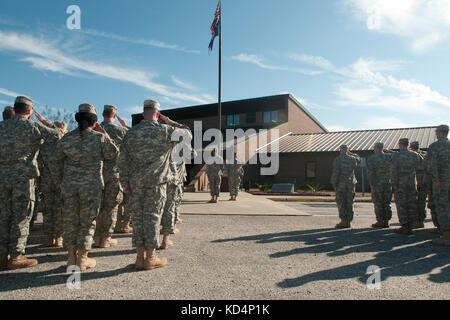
48,57
6,102
9,93
152,43
425,22
317,61
256,60
183,84
390,122
366,86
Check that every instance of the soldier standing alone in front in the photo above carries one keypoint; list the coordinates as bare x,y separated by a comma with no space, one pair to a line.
20,138
144,169
439,165
112,192
403,175
379,169
343,180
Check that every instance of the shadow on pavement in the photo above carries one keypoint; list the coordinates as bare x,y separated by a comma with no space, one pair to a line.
396,255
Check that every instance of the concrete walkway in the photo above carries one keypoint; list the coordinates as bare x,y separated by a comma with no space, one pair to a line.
246,204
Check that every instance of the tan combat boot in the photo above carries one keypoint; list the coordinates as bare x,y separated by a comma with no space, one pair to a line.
126,228
83,262
175,230
4,258
71,257
140,258
381,225
21,262
151,261
405,229
344,224
179,221
59,242
166,243
444,240
108,242
418,224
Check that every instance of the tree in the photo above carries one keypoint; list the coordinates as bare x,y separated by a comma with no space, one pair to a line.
59,114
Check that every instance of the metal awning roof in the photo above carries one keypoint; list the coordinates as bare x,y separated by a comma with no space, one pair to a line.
362,140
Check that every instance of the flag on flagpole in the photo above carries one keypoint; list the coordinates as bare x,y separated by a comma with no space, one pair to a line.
215,27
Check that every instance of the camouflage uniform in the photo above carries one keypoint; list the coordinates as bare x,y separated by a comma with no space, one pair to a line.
112,192
378,166
421,188
429,190
144,166
51,200
175,186
344,180
78,169
214,172
19,142
123,212
235,172
439,166
403,175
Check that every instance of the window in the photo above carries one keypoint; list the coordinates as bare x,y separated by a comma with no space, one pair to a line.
310,170
270,116
251,117
233,120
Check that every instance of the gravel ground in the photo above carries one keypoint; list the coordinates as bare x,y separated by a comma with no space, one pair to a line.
252,257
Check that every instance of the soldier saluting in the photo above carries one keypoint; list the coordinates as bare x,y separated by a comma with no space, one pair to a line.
20,138
343,180
144,171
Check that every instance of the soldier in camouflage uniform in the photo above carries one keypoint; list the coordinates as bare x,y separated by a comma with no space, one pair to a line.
429,190
8,113
112,192
235,172
378,166
421,187
51,200
403,175
175,186
214,171
78,170
439,165
343,180
20,138
144,166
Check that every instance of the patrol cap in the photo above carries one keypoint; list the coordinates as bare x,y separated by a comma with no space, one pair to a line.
86,107
8,108
343,147
24,100
379,145
60,125
442,128
110,108
404,141
414,144
151,104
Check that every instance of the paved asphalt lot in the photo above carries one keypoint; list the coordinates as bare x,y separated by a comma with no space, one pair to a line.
252,257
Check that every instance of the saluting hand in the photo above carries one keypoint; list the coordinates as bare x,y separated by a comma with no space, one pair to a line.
99,128
122,122
40,118
164,118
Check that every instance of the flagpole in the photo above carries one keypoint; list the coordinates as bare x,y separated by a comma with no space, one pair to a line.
220,67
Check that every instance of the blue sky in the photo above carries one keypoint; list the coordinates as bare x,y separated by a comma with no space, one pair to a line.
354,64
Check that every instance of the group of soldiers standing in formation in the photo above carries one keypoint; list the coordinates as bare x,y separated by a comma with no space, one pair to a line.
411,174
85,176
